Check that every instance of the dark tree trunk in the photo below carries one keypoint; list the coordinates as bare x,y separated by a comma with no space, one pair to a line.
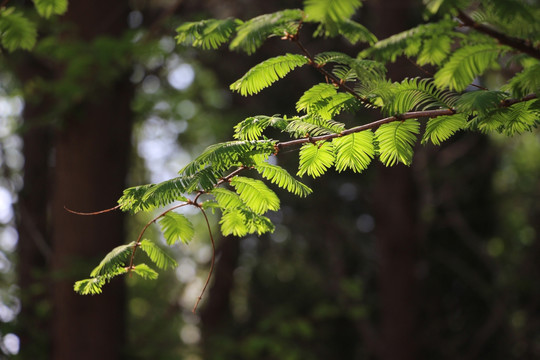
34,249
89,147
396,219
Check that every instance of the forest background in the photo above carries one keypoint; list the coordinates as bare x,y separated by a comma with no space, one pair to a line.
106,100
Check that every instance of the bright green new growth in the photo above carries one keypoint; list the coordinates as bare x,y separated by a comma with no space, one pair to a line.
459,48
19,32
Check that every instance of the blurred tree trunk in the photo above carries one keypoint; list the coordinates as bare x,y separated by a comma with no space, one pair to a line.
89,146
396,221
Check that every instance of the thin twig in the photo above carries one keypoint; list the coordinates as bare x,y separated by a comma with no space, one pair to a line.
335,80
211,264
138,242
92,213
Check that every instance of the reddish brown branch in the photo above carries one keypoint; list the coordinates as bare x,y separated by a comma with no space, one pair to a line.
521,45
212,262
376,124
92,213
138,242
328,75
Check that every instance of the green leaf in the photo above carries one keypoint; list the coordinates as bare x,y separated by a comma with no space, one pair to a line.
157,255
255,194
315,97
281,177
479,102
16,31
313,125
145,271
526,82
113,260
417,94
330,10
513,120
435,50
252,34
412,42
223,156
520,118
355,32
266,73
47,8
176,227
315,159
252,127
354,151
240,222
233,223
89,286
441,128
94,285
227,199
396,141
206,34
466,64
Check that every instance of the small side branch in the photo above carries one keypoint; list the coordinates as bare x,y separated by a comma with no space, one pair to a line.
211,264
516,43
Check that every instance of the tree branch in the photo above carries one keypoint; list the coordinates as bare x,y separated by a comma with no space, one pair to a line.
405,116
519,44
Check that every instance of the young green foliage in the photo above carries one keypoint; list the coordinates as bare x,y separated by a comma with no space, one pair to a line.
354,151
176,227
315,159
459,47
206,34
16,31
47,8
396,141
442,128
266,73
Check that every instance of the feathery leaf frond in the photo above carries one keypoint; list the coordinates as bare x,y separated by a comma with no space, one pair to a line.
252,33
441,128
281,177
47,8
176,227
324,101
223,156
412,42
466,64
330,10
315,96
526,82
93,286
417,94
354,151
227,199
479,102
206,34
240,222
252,127
16,31
114,259
157,255
144,271
396,141
255,194
266,73
313,125
355,32
315,159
